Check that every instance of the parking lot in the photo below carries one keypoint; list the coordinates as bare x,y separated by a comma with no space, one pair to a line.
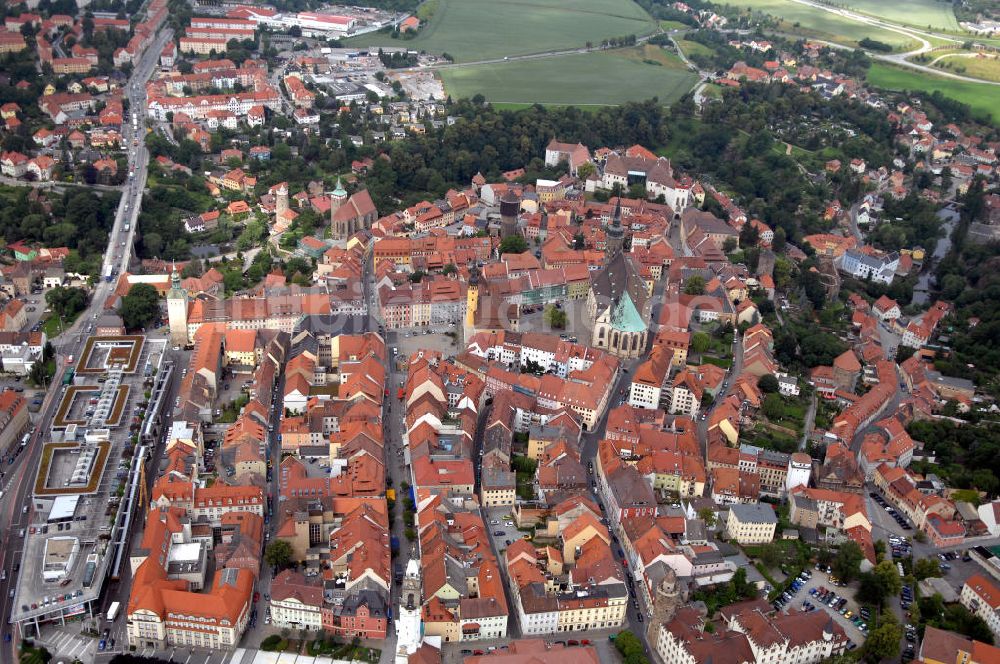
893,522
501,528
818,582
577,321
434,338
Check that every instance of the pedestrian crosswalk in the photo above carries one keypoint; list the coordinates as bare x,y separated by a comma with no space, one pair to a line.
67,645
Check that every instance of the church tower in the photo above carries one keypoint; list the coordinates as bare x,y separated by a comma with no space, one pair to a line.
337,198
340,228
409,627
472,299
177,310
615,234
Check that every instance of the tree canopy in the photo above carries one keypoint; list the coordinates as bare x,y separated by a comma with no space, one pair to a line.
847,563
278,553
140,306
695,285
66,302
768,384
555,318
883,641
513,244
880,583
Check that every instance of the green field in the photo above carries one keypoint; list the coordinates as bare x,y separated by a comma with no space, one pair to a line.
985,68
916,13
694,48
674,25
471,30
980,96
600,79
820,24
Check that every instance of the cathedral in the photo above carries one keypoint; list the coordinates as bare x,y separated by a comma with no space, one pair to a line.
618,303
350,215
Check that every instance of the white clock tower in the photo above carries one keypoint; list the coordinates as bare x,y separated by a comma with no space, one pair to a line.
177,310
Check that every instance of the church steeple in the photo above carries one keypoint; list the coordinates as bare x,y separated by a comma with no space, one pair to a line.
615,233
177,309
175,279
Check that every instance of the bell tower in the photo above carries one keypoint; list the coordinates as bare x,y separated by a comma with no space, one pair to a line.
472,299
340,229
177,309
615,234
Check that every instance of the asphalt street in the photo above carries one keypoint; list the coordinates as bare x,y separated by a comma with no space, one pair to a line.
15,504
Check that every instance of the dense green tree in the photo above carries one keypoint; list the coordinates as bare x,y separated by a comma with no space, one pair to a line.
278,554
700,342
924,568
880,583
847,563
768,384
695,285
555,318
140,306
883,641
193,268
66,302
513,244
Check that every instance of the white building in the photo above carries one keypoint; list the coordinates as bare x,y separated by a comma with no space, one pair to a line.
751,524
643,395
409,628
799,471
880,269
788,386
990,515
982,598
296,602
539,622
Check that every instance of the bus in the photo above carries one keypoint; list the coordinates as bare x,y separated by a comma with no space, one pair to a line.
68,378
113,611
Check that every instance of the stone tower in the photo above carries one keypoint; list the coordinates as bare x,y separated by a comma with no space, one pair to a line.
281,200
615,234
510,207
667,599
177,310
543,225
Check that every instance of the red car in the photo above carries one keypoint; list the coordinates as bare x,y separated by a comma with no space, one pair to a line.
256,597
